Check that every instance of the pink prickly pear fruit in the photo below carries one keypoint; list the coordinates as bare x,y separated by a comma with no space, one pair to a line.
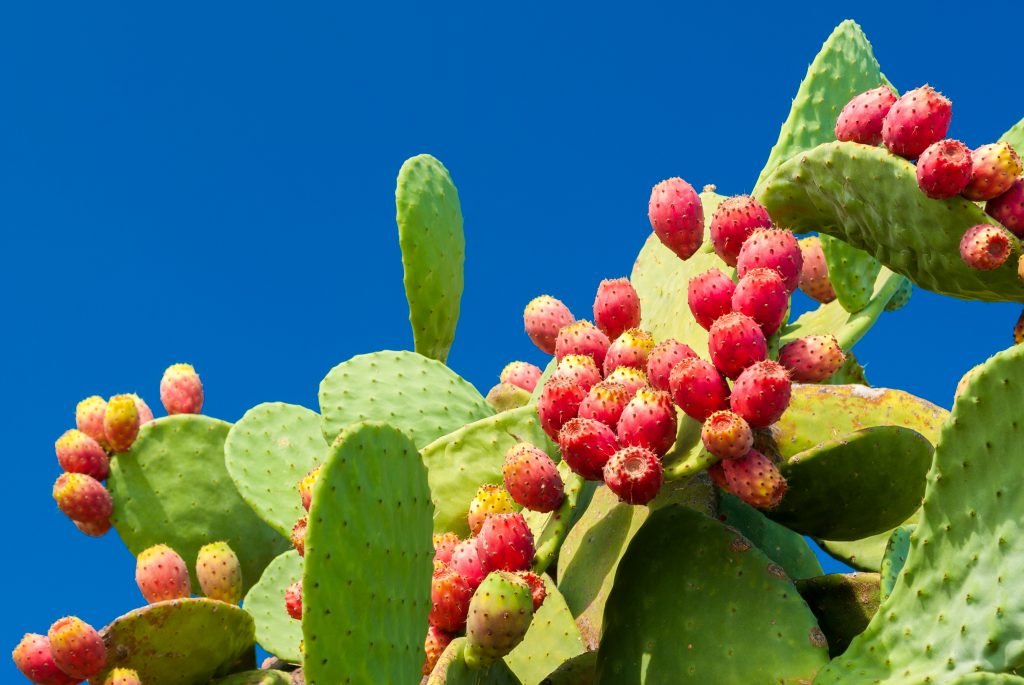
434,644
506,543
543,317
814,280
559,402
985,247
1008,208
468,561
293,600
34,659
89,418
944,169
586,446
616,307
161,574
583,338
579,369
661,360
82,498
298,536
649,420
450,593
726,435
537,590
773,248
710,296
490,499
306,486
754,479
604,402
629,349
93,529
77,648
521,374
917,119
634,474
735,342
121,422
733,222
444,546
761,393
532,479
181,391
219,572
861,118
761,294
812,359
630,378
994,168
698,388
78,453
717,475
143,410
122,676
677,216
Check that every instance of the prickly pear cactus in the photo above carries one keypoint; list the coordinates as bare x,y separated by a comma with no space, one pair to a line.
1015,136
276,631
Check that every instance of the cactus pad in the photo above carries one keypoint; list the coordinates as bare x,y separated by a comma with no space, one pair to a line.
260,677
895,558
786,548
276,631
1015,137
844,604
579,670
552,638
852,272
451,669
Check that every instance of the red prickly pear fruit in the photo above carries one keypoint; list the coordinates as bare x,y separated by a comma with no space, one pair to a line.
994,168
985,247
506,543
306,486
181,391
733,222
718,476
82,498
89,418
293,600
582,337
490,499
77,648
121,422
630,378
710,296
499,616
944,169
677,216
735,342
161,574
660,362
532,479
537,590
649,420
543,317
219,572
468,561
586,446
34,659
122,676
754,479
629,349
559,402
726,435
143,410
698,388
812,359
450,593
604,402
917,119
1008,208
579,369
298,536
616,307
634,474
861,118
521,374
436,642
773,248
761,294
761,393
78,453
814,280
444,546
94,529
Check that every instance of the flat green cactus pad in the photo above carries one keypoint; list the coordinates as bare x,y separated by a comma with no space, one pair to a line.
687,455
421,397
550,529
869,198
366,585
956,608
267,452
451,669
844,603
552,639
180,642
173,488
852,271
579,670
786,548
260,677
987,679
433,251
1015,137
851,372
276,631
895,558
865,554
696,602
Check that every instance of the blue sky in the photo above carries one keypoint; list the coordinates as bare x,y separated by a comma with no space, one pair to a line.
214,183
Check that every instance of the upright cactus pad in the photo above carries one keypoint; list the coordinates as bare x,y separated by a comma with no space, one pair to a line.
1015,136
451,669
552,639
852,272
844,604
895,558
276,631
786,548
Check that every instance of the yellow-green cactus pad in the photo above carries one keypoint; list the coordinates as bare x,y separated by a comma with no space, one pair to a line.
786,548
579,670
852,271
844,604
895,558
552,639
451,669
1015,137
276,631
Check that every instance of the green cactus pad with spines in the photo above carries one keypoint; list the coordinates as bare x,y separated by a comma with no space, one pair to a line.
902,296
687,455
179,642
460,462
1015,137
366,585
451,669
552,639
267,452
957,608
550,529
861,484
986,679
870,198
433,252
421,397
260,677
544,376
579,670
276,631
850,373
895,558
172,487
695,601
852,272
786,548
844,604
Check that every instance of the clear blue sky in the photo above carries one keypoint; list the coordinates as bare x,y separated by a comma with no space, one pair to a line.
214,183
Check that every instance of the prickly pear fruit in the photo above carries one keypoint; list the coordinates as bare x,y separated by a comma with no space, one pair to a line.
698,388
34,659
733,222
219,572
735,342
580,369
649,420
629,349
586,446
537,590
521,374
773,248
532,479
616,307
761,393
293,600
1008,208
984,247
449,599
89,418
543,317
584,338
78,453
82,498
994,168
861,118
944,169
93,529
444,545
660,361
490,499
298,536
181,391
468,561
628,377
145,413
77,648
677,216
604,403
709,296
161,574
917,119
121,422
814,280
559,402
761,294
436,642
754,479
122,676
505,396
634,474
506,543
812,359
500,613
306,486
726,435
